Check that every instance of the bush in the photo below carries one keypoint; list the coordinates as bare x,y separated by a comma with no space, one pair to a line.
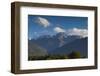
74,55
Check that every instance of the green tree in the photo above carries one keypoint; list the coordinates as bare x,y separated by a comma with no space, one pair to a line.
74,54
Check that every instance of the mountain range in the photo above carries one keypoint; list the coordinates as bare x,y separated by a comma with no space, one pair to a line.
59,44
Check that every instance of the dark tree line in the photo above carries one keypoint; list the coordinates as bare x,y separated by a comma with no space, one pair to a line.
73,55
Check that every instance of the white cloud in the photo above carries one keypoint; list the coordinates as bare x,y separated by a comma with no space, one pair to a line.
43,22
58,29
77,32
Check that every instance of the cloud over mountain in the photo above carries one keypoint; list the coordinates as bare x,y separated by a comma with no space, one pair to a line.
72,32
58,29
42,21
77,32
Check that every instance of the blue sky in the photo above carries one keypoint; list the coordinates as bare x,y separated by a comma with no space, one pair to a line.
39,25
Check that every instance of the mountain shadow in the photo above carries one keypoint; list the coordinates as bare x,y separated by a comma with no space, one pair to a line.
35,50
52,42
78,45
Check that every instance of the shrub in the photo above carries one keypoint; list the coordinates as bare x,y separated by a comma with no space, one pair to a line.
74,55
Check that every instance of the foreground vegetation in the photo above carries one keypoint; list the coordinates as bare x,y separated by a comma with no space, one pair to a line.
73,55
